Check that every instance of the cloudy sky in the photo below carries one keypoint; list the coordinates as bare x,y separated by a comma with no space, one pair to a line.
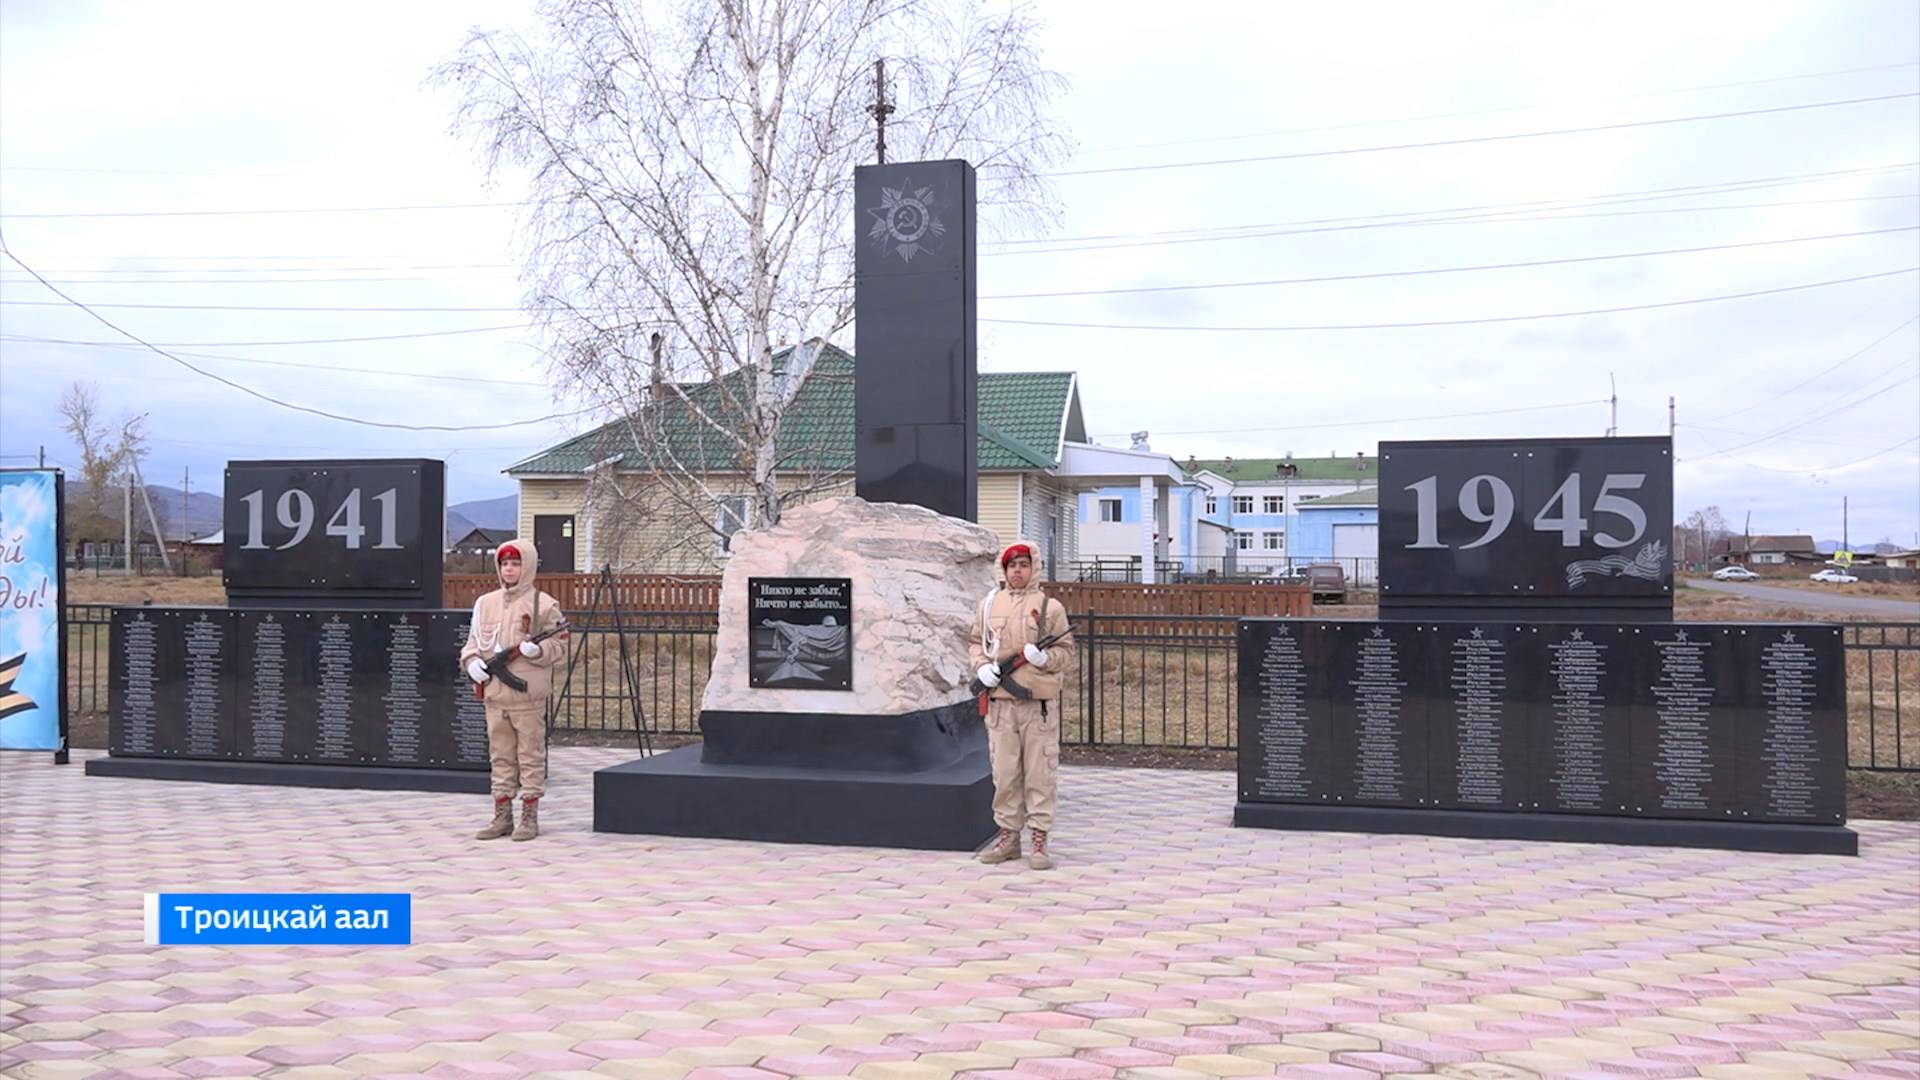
1202,161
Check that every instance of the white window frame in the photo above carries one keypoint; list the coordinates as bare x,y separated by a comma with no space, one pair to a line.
723,512
1213,505
1119,511
1243,500
1274,540
1273,504
1243,541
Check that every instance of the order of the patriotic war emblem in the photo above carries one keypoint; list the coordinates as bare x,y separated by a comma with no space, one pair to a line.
906,221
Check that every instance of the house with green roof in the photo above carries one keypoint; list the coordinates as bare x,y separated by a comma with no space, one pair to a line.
1252,515
585,500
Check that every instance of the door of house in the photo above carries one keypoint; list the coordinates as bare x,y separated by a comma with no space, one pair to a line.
553,535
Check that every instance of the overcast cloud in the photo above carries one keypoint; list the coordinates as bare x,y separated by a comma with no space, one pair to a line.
250,106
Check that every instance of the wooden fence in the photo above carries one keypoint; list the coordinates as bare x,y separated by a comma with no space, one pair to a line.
694,592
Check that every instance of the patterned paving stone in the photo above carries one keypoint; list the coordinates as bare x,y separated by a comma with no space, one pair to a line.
1218,953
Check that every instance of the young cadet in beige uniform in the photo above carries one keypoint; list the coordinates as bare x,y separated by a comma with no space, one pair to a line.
516,720
1023,709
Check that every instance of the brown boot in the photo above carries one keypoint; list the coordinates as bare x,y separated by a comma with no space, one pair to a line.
529,820
1005,845
1040,860
502,823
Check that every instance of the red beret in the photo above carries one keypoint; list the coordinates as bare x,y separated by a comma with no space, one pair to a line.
507,551
1013,552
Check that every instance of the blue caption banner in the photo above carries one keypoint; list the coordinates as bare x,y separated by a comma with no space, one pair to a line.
279,918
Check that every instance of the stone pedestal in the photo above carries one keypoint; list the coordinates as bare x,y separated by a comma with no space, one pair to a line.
897,760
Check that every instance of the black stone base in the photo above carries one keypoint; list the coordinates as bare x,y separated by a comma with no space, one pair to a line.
1571,828
911,742
366,777
676,794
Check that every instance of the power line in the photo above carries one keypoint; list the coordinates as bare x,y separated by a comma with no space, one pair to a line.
1491,112
1452,269
1460,322
297,341
246,307
1467,219
1849,358
1827,415
1434,143
1393,420
1566,202
1789,438
20,338
224,381
1821,469
259,280
69,214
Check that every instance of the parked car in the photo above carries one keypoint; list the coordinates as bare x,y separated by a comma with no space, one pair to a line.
1735,573
1834,577
1328,582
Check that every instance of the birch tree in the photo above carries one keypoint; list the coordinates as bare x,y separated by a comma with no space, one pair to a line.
690,172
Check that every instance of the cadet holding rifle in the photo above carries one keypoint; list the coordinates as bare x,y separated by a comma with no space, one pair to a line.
509,626
1019,644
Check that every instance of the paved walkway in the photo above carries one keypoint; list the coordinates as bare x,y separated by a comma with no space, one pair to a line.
1834,599
1168,946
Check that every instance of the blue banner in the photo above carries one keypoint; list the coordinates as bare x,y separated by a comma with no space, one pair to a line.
30,607
279,919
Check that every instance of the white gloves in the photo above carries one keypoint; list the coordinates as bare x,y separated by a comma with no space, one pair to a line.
477,670
529,649
987,676
1035,656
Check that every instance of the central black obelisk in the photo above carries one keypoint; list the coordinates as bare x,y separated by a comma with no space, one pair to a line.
914,343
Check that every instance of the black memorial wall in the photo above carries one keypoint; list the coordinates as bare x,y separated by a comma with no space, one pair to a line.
348,688
1565,724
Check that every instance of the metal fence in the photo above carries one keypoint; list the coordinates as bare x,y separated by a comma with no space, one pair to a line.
1883,691
1162,680
1241,566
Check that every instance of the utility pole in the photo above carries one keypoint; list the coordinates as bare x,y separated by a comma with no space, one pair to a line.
126,518
1613,407
881,109
153,520
1845,545
186,486
43,457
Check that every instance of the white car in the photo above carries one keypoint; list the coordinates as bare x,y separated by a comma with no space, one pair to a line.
1735,573
1834,577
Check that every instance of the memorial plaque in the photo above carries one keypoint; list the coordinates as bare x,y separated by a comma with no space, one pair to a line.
459,735
1284,713
278,710
279,686
334,533
400,724
801,633
1580,693
208,655
336,722
1477,723
1378,675
145,654
1683,734
1533,528
1791,725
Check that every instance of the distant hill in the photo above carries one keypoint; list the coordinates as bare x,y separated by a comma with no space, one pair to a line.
500,513
203,509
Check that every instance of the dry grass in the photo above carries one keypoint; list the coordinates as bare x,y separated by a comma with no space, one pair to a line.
127,590
1892,590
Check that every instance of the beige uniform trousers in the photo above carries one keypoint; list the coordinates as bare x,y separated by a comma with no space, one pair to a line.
1024,743
517,743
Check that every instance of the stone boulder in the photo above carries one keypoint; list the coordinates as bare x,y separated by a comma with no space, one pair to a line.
917,579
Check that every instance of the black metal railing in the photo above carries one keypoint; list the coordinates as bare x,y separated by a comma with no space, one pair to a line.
1140,680
1243,566
1883,690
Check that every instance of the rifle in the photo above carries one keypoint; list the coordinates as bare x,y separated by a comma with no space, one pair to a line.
1013,663
497,663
